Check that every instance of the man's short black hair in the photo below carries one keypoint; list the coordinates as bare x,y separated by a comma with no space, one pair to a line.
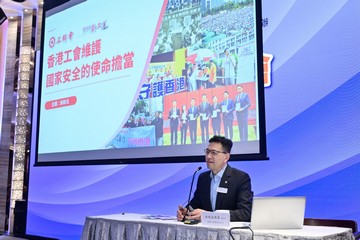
225,142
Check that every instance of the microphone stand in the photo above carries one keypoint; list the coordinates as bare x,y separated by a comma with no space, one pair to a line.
192,221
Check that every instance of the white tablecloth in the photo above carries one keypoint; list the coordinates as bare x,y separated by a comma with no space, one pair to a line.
137,227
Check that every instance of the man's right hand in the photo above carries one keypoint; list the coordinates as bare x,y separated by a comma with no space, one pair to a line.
181,213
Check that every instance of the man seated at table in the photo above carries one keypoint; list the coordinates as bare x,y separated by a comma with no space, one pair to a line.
222,187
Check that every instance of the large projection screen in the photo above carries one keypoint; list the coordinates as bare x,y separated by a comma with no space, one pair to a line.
149,81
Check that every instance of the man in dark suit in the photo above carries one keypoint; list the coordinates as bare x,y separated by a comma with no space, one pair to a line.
205,113
215,116
221,188
158,122
174,115
193,114
228,108
242,104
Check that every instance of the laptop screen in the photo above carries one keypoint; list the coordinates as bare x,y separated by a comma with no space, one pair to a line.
278,212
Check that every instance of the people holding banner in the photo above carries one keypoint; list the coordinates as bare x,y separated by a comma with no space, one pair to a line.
220,188
139,122
184,120
227,109
215,116
242,104
174,115
193,116
205,113
131,122
146,122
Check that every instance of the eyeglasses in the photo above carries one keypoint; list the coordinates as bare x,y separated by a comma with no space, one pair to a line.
212,152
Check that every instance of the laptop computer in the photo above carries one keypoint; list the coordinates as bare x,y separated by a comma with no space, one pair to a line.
278,212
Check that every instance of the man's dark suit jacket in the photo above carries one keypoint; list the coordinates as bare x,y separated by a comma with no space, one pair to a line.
238,198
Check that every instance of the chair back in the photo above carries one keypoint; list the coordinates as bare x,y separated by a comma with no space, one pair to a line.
332,223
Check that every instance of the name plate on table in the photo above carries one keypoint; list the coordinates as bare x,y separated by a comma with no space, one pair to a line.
219,218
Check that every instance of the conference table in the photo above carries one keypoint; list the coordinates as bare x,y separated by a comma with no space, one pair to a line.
131,226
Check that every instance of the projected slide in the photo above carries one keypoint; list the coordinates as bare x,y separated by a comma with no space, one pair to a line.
158,76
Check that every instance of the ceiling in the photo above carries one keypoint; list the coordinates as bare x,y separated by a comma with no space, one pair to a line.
14,8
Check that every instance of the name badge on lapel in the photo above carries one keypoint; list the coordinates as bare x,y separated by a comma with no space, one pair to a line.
222,190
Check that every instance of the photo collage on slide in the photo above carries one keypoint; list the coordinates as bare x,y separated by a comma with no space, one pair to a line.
201,80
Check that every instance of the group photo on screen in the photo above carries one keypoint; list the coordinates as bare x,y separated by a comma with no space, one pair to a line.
192,117
196,87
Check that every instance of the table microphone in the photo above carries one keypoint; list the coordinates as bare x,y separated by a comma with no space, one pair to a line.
191,186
